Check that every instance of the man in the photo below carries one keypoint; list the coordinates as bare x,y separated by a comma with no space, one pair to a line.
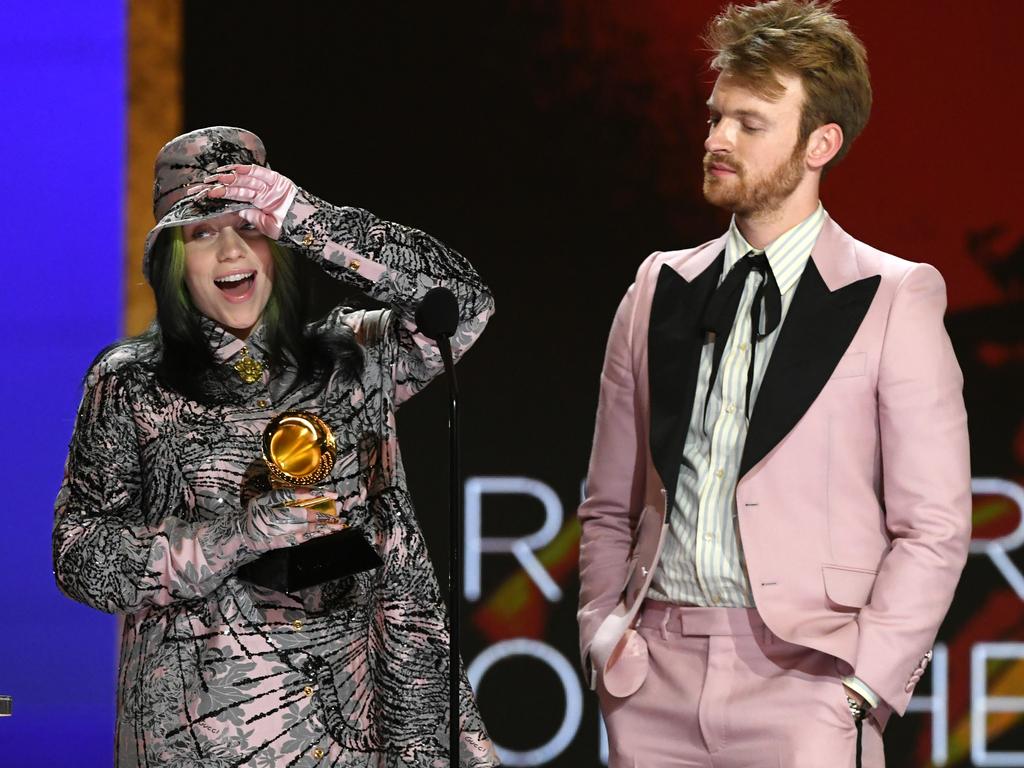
778,501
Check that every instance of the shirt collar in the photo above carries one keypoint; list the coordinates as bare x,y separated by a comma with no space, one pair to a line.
787,254
225,345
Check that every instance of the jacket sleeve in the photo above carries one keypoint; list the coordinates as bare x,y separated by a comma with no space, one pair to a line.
615,479
927,490
107,553
395,265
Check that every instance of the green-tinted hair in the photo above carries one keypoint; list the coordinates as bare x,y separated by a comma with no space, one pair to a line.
185,352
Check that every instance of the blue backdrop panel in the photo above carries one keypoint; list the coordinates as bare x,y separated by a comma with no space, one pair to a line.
62,148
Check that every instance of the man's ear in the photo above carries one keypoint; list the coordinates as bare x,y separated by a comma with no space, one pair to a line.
823,144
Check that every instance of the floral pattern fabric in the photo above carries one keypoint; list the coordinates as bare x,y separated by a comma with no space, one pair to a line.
164,498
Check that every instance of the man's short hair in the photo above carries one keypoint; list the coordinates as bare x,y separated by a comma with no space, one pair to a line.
756,43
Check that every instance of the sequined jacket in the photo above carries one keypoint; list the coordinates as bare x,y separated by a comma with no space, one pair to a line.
154,518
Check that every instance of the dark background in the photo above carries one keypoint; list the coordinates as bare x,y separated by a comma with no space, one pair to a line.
556,145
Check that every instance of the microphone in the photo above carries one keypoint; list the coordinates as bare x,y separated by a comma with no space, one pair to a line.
437,316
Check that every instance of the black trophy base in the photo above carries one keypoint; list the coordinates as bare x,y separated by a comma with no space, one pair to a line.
312,562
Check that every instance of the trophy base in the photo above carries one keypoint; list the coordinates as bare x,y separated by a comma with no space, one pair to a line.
312,562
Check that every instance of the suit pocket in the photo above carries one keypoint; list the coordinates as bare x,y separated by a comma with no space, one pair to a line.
850,365
846,586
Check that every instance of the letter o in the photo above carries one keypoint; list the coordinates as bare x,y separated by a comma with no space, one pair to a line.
570,685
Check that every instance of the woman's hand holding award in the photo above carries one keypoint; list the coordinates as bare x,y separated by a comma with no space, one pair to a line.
299,450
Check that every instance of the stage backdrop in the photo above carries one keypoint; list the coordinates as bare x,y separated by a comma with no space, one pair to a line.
557,144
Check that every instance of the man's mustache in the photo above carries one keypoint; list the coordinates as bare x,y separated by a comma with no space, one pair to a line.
710,160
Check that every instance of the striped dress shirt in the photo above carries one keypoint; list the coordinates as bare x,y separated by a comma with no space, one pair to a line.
702,562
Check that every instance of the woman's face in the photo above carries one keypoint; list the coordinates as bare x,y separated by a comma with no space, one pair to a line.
229,271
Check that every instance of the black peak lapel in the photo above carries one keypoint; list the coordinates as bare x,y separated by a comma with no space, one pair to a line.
674,343
817,331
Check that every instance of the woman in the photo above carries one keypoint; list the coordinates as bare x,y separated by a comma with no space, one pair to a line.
165,497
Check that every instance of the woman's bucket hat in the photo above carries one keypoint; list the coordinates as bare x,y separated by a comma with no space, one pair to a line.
184,162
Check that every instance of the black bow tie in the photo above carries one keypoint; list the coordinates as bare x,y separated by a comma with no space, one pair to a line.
721,312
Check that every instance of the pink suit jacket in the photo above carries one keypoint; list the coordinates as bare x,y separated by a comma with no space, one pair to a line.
854,502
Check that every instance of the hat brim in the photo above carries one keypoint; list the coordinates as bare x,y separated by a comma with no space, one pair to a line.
188,210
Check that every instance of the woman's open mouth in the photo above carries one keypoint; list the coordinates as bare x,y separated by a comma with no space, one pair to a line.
237,286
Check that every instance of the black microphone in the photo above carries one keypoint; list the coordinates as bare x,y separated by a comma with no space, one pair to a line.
437,316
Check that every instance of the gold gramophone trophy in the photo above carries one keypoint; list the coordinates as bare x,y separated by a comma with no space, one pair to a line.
299,450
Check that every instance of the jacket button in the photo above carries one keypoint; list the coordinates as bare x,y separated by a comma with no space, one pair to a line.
308,239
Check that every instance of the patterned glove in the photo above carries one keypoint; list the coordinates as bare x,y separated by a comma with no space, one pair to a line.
270,194
282,516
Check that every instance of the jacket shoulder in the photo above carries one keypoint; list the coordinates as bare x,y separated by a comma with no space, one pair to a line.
126,358
891,268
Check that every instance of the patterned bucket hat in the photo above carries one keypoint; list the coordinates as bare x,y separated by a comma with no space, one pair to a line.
187,160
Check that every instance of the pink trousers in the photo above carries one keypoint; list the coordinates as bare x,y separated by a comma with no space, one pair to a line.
724,692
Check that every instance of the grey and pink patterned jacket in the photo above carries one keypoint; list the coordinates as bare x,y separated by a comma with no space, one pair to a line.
152,523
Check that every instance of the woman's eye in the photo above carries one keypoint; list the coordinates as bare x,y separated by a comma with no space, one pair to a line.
199,234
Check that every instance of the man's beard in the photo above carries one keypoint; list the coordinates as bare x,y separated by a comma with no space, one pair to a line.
755,197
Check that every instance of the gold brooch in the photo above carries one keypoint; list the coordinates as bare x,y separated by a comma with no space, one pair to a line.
248,369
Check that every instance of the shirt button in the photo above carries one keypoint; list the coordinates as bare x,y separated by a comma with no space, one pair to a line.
743,347
297,624
308,690
318,754
709,537
263,403
716,599
719,473
730,408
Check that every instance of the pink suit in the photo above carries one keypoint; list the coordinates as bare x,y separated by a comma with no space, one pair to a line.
854,502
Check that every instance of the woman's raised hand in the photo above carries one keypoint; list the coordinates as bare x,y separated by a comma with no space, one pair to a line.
270,194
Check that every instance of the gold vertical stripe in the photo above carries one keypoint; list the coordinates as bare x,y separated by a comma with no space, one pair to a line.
155,114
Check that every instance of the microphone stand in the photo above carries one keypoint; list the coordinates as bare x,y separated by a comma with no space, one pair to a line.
454,558
437,318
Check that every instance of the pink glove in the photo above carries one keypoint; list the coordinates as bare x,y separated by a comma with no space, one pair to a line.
270,194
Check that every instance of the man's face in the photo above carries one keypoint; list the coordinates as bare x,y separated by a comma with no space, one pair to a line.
753,162
229,271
